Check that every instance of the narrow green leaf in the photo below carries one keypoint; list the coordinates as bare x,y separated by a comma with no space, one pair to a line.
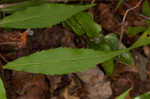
123,95
144,96
61,61
44,15
83,23
21,6
135,30
143,40
2,90
146,8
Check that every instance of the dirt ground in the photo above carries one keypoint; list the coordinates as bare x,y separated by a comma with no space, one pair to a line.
90,84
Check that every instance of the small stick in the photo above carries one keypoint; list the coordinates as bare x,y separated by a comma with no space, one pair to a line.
3,58
8,43
145,17
139,14
123,22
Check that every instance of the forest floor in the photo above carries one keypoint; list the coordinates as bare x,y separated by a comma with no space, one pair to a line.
90,84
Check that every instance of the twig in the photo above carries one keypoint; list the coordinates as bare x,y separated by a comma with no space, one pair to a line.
123,21
139,14
3,58
8,43
143,16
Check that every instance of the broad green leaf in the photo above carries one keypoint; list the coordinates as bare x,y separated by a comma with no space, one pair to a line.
68,60
146,8
144,96
112,41
21,6
44,15
135,30
123,95
2,90
83,23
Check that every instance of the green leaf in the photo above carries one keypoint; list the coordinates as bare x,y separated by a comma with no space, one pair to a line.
44,15
83,23
61,60
123,95
126,58
21,6
143,40
148,22
68,60
96,43
86,21
112,41
108,66
101,45
135,30
146,8
2,90
144,96
75,26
